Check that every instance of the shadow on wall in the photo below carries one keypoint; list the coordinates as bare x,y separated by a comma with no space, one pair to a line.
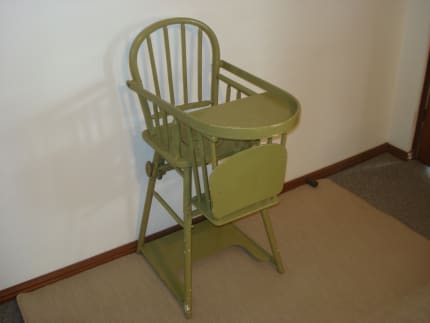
72,158
74,175
79,157
171,186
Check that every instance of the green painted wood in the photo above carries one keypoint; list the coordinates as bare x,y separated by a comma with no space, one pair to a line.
156,115
206,210
142,38
184,64
148,201
187,245
234,138
202,142
238,94
271,115
247,177
194,105
166,254
276,255
236,85
179,155
169,65
228,93
169,209
283,139
153,66
253,117
199,64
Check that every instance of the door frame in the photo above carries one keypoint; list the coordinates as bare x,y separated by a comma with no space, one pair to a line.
425,95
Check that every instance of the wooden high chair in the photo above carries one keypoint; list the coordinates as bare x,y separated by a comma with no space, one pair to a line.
214,124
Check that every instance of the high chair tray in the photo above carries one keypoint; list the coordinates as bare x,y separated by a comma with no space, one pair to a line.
254,117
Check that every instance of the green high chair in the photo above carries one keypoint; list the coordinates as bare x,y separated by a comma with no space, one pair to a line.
223,130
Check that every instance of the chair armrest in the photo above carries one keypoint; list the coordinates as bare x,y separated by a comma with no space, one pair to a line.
183,117
255,80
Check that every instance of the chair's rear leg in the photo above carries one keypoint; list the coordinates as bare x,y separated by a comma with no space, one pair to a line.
187,244
148,201
272,240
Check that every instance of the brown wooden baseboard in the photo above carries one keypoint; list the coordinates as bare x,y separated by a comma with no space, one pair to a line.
399,153
11,292
129,248
343,164
68,271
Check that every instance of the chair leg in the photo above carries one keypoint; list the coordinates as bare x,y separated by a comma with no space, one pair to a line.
148,201
272,240
187,244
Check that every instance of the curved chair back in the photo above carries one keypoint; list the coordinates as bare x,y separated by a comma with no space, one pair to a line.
177,60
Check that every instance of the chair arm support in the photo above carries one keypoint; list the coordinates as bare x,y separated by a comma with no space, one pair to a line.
178,114
269,87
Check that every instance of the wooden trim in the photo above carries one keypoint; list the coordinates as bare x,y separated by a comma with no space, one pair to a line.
399,153
68,271
421,110
129,248
339,166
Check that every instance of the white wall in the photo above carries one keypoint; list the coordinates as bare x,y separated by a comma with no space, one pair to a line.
410,77
72,161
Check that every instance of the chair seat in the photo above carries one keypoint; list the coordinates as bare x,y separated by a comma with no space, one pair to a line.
170,153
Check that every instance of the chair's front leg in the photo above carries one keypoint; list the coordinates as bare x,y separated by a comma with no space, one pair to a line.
148,201
187,243
272,240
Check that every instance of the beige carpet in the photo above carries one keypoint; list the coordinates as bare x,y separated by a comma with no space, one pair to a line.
346,262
